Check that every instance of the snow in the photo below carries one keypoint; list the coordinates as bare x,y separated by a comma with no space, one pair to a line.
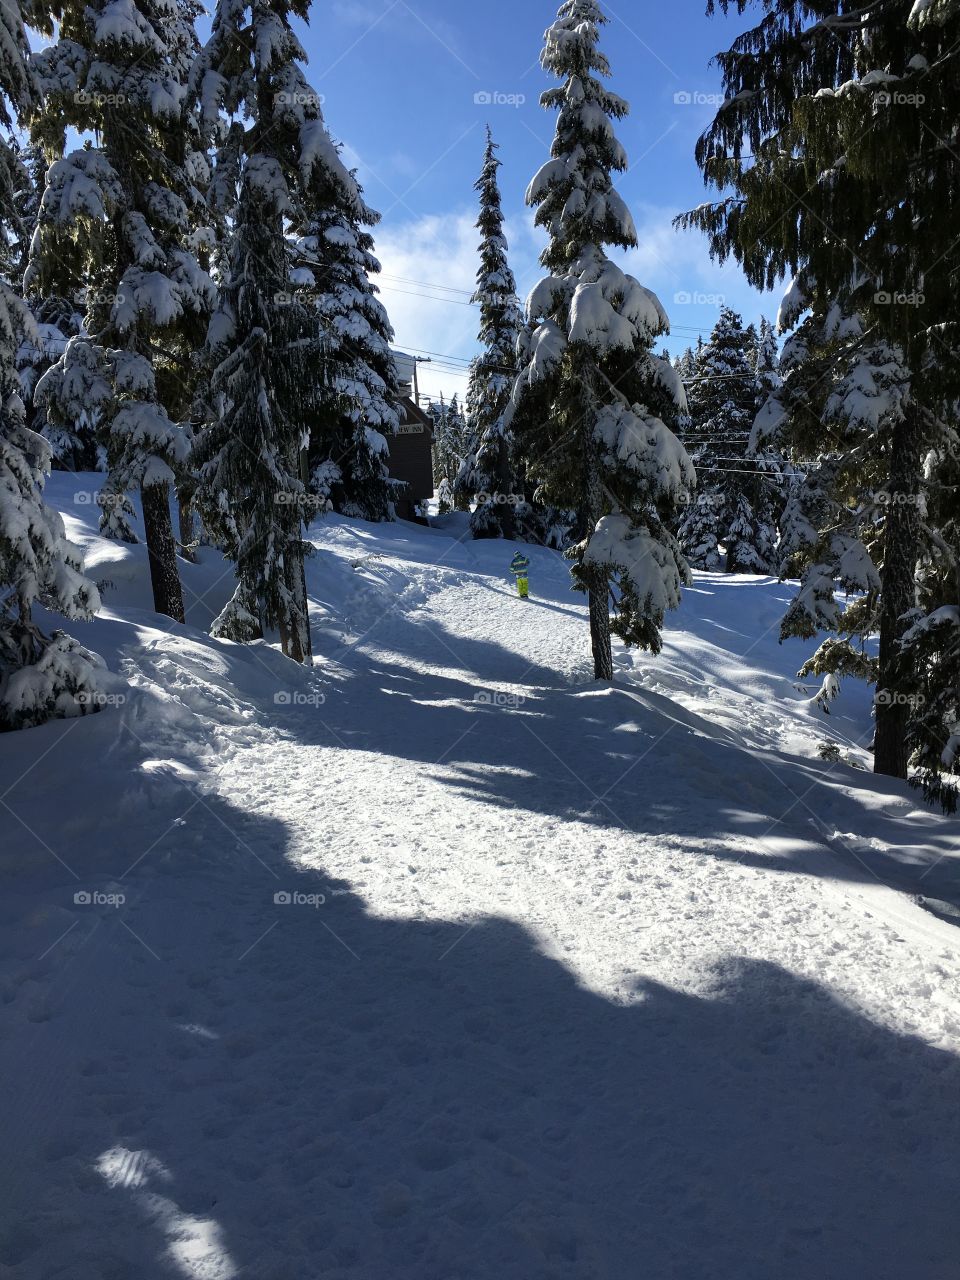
793,304
648,564
599,974
927,13
608,308
639,441
121,22
874,391
768,422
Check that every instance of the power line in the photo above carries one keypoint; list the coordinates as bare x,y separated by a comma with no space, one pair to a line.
407,293
426,284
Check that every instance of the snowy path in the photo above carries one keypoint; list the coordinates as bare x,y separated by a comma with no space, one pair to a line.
574,1004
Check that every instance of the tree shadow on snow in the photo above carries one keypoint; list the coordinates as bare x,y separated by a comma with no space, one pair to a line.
300,1091
628,758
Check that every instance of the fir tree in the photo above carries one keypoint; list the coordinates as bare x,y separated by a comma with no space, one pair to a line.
589,404
490,468
114,219
73,445
844,386
40,675
450,440
266,339
737,499
929,656
699,529
766,362
830,142
357,408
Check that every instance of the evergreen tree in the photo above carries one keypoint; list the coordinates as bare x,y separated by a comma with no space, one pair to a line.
40,675
736,502
279,171
24,168
929,657
589,404
358,397
450,440
699,530
114,219
847,387
490,469
830,141
686,366
73,446
766,362
437,410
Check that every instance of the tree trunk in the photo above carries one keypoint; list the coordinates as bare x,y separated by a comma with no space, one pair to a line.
295,630
598,587
187,529
162,552
600,629
901,544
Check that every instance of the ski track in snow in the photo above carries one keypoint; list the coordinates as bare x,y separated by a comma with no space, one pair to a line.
574,1004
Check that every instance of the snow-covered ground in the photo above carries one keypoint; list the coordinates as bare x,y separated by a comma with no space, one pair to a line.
442,962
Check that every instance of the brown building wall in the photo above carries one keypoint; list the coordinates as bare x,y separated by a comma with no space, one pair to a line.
411,458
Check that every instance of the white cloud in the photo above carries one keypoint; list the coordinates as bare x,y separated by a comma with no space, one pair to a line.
672,263
441,250
421,254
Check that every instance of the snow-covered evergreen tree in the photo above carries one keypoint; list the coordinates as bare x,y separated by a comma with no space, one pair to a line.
451,440
40,675
358,393
490,468
736,503
266,339
699,530
114,220
73,445
847,388
766,362
590,402
850,105
928,664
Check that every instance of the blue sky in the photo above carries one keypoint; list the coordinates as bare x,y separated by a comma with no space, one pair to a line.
400,80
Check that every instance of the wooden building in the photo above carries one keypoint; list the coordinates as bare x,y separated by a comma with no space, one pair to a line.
411,449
